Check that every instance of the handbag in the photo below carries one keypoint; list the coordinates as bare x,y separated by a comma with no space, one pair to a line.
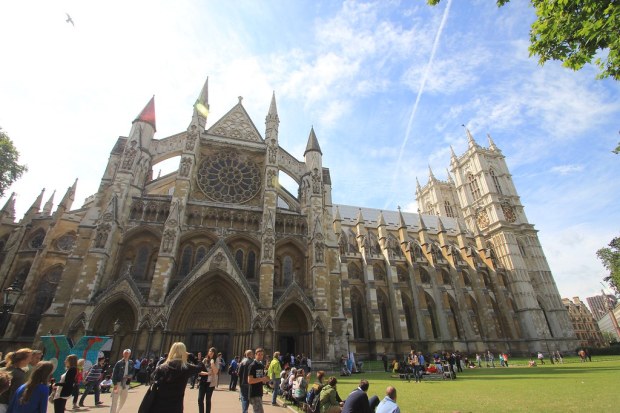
149,398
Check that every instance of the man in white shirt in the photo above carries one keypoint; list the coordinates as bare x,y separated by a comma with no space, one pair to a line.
121,377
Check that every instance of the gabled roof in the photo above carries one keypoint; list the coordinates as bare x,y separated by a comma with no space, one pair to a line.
236,124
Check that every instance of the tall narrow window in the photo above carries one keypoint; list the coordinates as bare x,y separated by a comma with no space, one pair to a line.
495,179
474,187
141,264
43,299
186,261
287,270
251,269
449,210
239,259
200,254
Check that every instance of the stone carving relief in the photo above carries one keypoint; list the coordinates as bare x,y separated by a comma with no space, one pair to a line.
186,164
218,262
190,141
273,151
316,182
129,156
168,240
101,238
271,178
236,125
269,248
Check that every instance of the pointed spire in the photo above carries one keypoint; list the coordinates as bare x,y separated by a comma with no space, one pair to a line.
67,200
440,227
418,188
381,220
337,217
453,157
470,139
36,205
313,143
421,221
148,114
360,218
450,180
273,109
491,143
201,107
8,211
47,209
318,229
431,177
401,219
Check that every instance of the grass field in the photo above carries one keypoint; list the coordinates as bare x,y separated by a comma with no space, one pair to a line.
570,387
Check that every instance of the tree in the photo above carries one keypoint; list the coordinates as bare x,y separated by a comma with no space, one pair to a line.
575,32
10,170
611,260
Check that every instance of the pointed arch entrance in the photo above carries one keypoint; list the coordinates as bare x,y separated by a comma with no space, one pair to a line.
293,333
116,319
212,312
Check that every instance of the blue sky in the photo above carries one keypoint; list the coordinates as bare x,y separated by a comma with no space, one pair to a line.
386,85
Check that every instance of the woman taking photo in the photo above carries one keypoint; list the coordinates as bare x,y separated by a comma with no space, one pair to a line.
171,377
208,381
64,387
32,396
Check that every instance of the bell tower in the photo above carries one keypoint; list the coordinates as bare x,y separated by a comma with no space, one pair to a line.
490,203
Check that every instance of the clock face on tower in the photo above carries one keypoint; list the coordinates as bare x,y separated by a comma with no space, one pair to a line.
483,219
225,177
509,213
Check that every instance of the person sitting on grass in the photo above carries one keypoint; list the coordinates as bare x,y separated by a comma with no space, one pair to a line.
531,363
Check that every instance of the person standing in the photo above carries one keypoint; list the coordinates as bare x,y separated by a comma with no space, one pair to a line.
208,381
357,402
121,378
35,358
171,377
92,380
244,387
15,364
64,387
388,404
273,372
256,379
384,359
233,371
32,396
193,379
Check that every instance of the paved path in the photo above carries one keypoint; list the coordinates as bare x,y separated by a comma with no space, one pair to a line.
223,401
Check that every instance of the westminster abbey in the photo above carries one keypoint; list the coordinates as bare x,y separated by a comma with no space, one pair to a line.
218,253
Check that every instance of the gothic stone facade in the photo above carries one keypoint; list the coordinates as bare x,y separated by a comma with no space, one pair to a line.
218,253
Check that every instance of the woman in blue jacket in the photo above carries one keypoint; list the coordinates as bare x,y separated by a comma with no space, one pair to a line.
32,396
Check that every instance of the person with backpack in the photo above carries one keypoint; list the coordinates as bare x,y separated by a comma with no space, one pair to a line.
233,371
244,387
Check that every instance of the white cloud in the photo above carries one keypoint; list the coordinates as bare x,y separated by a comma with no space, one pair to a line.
567,169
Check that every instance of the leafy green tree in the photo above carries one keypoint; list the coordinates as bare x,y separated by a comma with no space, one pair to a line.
10,170
611,260
575,32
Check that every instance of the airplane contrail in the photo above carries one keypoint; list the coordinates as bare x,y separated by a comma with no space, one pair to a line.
427,70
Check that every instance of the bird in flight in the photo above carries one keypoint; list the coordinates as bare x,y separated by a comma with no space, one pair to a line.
69,19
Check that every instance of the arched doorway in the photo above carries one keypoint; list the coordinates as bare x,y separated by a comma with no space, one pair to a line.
117,320
293,331
213,312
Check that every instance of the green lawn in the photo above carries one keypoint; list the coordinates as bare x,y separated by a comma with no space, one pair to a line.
568,387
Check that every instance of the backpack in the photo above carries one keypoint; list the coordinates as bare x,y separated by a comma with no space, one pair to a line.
313,399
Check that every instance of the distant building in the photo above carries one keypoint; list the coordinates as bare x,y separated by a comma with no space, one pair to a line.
586,328
598,306
608,324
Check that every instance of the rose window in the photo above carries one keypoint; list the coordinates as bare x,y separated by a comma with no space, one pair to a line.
224,177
